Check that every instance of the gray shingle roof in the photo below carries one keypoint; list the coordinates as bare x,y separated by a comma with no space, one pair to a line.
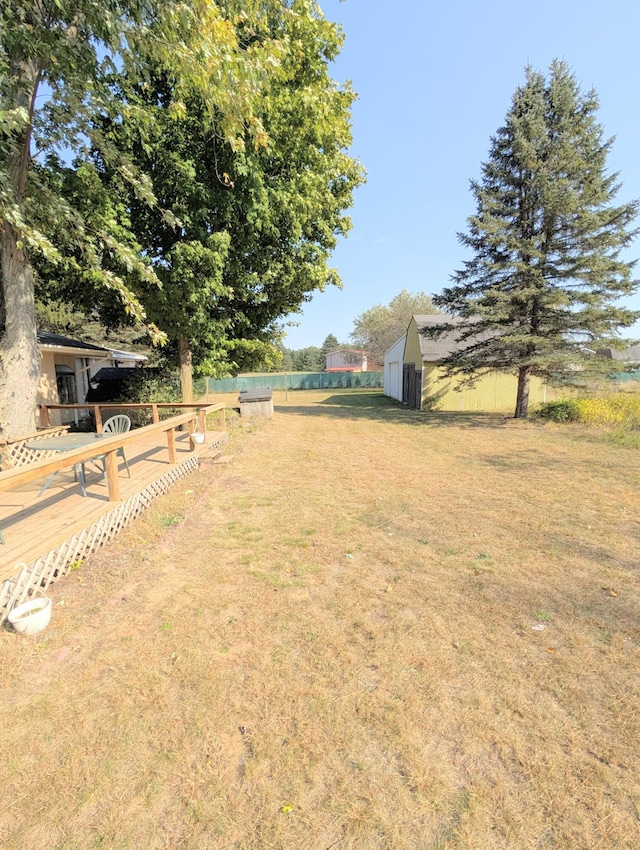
631,355
47,338
434,350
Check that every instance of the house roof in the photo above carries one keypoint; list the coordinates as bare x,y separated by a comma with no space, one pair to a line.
51,340
119,354
58,342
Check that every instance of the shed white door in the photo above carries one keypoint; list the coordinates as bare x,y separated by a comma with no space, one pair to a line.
395,387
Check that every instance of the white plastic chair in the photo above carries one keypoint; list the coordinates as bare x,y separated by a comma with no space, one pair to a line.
118,424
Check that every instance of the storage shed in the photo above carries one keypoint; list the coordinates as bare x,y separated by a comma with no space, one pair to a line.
256,403
393,362
425,386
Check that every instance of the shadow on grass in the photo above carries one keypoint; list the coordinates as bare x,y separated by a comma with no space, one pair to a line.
375,405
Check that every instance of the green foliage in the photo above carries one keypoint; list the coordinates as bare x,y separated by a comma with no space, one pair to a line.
615,410
286,359
330,344
545,272
76,51
564,410
379,327
60,318
148,387
257,222
308,359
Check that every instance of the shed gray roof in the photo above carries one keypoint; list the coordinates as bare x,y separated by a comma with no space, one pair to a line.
434,350
630,355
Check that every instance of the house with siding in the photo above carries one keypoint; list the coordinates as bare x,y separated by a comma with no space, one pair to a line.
346,360
66,369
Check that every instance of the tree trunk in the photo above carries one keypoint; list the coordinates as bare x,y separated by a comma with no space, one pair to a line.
522,403
186,369
19,352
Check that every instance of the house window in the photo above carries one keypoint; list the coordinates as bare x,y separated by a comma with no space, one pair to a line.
66,381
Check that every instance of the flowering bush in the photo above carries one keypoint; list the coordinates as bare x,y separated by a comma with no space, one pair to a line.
620,410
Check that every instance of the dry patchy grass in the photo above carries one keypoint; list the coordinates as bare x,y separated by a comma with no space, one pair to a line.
375,629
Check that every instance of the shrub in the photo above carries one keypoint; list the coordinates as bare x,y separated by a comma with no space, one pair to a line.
617,410
163,387
564,410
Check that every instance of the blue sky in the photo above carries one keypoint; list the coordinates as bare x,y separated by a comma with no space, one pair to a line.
434,82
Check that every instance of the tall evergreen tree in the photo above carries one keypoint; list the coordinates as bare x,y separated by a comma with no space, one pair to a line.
545,274
330,344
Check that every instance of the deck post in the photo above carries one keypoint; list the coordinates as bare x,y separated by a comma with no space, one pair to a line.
156,414
111,464
171,445
44,411
98,416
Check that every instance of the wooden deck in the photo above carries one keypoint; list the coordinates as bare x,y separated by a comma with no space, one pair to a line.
44,532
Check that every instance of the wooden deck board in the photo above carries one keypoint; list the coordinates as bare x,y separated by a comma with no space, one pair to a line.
32,524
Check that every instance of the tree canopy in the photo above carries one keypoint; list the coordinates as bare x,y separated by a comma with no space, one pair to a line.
376,330
256,218
542,285
330,344
58,63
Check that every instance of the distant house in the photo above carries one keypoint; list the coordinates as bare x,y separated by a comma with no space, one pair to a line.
424,386
346,360
66,370
393,369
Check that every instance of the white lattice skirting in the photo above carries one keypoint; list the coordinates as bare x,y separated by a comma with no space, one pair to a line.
57,562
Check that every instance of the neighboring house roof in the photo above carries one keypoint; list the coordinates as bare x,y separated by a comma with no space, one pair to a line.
433,350
629,355
56,342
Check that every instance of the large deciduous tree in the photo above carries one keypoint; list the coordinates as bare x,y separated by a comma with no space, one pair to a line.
56,58
376,330
542,285
258,222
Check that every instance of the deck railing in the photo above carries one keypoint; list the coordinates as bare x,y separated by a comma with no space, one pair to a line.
108,447
155,408
13,452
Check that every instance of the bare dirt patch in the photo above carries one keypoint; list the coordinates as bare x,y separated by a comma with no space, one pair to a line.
375,629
